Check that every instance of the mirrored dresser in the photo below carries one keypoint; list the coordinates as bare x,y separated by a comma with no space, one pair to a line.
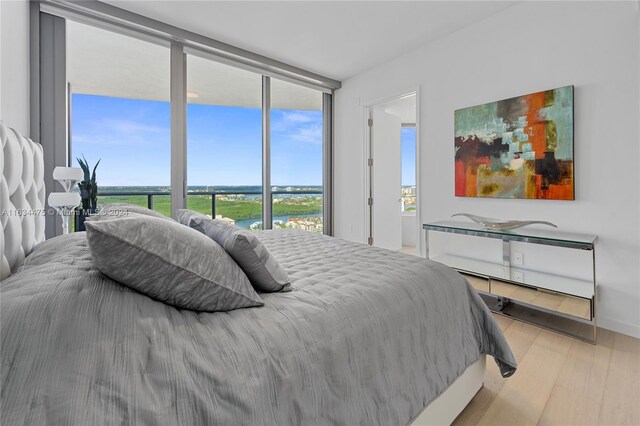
556,301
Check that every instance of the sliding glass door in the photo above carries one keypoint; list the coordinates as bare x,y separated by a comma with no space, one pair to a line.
226,150
119,114
224,142
296,156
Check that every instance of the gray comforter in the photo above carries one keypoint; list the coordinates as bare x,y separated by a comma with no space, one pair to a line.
367,336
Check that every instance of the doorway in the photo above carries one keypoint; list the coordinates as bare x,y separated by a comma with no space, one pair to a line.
392,173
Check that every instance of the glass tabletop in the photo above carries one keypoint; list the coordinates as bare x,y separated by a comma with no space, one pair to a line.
534,233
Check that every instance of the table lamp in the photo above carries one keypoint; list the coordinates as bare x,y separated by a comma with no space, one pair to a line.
68,176
64,203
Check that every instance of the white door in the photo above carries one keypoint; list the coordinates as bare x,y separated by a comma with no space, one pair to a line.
386,181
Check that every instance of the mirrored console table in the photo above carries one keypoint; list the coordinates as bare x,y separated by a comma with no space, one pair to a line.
512,290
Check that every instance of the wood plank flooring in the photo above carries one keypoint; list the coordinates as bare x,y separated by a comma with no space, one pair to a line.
408,250
560,381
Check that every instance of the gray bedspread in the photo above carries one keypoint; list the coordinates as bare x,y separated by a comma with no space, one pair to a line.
366,337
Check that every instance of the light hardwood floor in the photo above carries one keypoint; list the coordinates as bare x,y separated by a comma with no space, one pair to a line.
560,381
408,250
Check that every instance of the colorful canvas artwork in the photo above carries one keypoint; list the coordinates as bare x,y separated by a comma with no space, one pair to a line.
517,148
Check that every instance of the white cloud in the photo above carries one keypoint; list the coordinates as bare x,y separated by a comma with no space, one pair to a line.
311,134
129,126
108,131
302,126
298,116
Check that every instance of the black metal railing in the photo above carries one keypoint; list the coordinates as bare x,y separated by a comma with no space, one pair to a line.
213,195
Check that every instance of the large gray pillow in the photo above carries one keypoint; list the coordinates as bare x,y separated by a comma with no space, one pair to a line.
262,268
117,210
170,263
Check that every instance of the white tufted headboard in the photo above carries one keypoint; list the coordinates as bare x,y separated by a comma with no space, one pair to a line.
21,198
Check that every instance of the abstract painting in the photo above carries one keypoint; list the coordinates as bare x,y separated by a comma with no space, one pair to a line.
517,148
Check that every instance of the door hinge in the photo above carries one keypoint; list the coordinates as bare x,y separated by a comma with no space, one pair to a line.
370,122
370,162
370,201
370,241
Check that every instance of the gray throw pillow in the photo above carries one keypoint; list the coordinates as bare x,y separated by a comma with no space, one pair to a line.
119,210
170,263
262,268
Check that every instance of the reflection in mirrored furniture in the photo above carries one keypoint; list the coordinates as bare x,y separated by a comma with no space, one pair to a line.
557,302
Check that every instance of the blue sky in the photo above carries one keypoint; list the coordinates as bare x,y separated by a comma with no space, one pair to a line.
408,142
132,138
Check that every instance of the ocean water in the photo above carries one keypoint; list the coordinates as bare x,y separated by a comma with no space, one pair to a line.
246,223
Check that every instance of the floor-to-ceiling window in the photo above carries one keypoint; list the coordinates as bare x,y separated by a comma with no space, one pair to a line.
224,142
120,114
296,156
241,129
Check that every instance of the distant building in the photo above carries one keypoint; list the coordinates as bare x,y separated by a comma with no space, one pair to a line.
409,190
225,219
313,224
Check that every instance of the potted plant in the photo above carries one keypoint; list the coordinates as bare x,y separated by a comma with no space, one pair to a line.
88,193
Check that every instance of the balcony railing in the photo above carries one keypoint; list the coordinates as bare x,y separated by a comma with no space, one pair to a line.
213,195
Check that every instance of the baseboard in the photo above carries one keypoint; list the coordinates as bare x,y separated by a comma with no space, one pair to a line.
619,326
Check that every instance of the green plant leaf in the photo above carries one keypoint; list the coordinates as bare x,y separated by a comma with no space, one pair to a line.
93,176
88,186
84,166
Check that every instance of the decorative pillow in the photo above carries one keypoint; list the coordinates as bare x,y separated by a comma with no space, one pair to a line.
119,210
170,263
185,216
262,268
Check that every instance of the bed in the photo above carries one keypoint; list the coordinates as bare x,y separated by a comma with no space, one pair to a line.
366,336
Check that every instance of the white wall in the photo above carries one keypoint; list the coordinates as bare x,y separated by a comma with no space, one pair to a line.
529,47
408,230
14,64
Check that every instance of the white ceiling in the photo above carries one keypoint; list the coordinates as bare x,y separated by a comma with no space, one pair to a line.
334,39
